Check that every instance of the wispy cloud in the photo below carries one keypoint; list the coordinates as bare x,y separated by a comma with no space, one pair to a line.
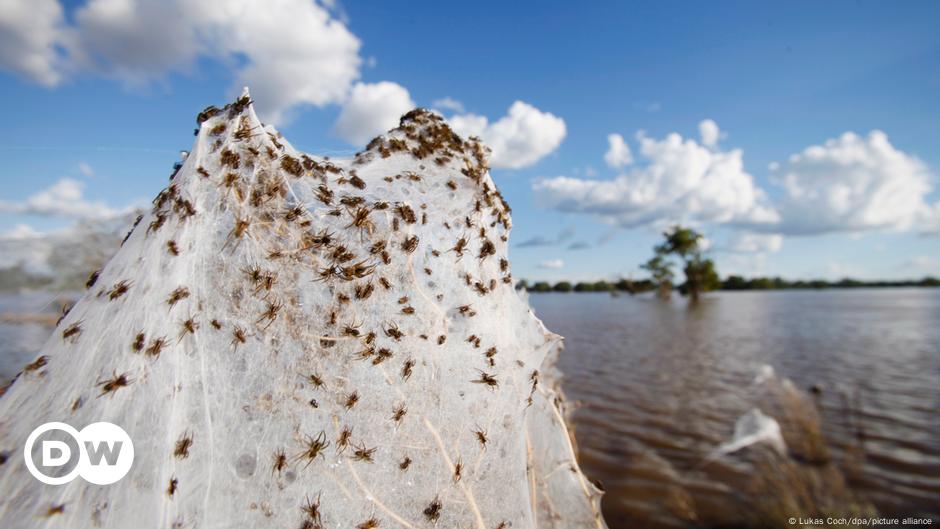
63,199
536,241
552,264
922,263
748,242
448,103
579,245
85,169
541,240
649,106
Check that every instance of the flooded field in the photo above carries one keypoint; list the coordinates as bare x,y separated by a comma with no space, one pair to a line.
852,377
661,385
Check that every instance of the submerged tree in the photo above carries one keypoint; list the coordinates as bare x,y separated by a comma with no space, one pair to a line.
661,270
700,273
700,276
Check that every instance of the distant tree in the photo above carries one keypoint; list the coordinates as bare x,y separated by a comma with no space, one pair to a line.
700,276
762,283
562,286
541,286
644,285
700,273
682,242
734,282
661,270
522,285
625,285
582,286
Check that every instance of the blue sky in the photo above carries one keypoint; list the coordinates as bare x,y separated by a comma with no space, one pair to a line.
114,102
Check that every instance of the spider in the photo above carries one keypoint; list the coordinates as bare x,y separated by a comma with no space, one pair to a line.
313,447
114,383
362,453
488,379
182,446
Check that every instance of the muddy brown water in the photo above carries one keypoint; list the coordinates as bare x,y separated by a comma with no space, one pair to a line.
660,385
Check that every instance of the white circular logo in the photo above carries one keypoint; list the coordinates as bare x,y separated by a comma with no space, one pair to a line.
102,453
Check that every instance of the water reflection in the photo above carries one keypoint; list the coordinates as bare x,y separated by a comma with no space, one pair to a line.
662,384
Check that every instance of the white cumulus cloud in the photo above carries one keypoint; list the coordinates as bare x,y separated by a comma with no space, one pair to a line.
851,183
372,108
680,181
618,152
854,183
519,139
30,33
709,132
290,52
20,232
66,199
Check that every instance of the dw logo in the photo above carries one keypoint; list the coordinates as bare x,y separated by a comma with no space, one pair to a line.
102,453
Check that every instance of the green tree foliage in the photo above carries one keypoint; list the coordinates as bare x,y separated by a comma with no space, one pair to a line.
660,268
700,276
541,286
682,242
685,244
733,282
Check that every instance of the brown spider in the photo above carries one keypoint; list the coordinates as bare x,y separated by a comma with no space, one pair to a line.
119,290
156,347
313,447
406,368
364,291
182,446
488,379
139,342
433,511
73,331
481,436
394,332
360,220
361,453
405,463
399,413
410,244
280,461
177,295
114,383
238,336
406,213
343,440
351,400
36,364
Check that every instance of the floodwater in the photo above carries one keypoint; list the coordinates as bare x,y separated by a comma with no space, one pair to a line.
21,340
660,385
